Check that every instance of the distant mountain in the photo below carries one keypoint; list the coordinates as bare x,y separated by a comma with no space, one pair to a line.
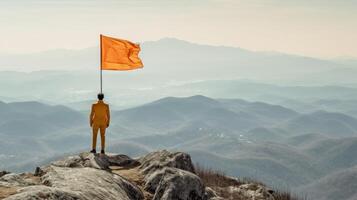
306,140
334,153
267,134
322,122
77,89
175,68
178,57
271,93
23,118
173,114
270,171
268,112
207,60
335,186
27,128
347,106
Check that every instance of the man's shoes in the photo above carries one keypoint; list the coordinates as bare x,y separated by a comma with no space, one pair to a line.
102,152
93,151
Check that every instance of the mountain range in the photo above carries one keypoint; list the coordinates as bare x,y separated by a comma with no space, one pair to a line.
169,60
271,143
179,68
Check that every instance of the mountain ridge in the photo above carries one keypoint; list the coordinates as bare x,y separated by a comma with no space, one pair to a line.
203,62
160,175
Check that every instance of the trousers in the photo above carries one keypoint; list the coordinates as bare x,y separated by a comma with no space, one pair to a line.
96,128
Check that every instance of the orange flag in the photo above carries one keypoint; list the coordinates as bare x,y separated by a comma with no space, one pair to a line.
118,54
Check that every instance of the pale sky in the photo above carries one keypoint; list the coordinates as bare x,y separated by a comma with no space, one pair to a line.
318,28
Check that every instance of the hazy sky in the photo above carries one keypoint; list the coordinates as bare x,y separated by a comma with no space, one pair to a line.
320,28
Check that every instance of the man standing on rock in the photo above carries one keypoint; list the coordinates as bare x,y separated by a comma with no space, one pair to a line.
99,119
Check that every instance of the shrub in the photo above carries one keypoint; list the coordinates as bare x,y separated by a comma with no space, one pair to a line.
219,182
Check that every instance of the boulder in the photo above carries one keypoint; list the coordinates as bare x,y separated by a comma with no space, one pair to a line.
211,194
172,183
86,176
252,191
170,176
80,183
160,159
18,180
89,183
71,161
97,161
43,192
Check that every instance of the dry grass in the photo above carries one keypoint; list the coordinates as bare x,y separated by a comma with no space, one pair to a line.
215,178
7,191
281,195
133,175
218,181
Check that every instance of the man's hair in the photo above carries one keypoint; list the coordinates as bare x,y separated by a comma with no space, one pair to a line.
100,96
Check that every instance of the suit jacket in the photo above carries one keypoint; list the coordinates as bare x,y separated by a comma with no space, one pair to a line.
100,114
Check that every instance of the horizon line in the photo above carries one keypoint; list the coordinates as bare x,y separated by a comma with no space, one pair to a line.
274,52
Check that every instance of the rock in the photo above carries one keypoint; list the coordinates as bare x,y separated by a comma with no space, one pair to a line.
72,161
43,192
18,180
170,176
211,194
122,160
160,175
38,172
91,183
86,176
172,183
160,159
253,191
97,161
2,173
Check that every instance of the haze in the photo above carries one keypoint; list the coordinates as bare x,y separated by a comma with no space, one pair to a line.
324,29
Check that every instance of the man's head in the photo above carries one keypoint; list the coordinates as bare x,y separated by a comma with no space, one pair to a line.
100,96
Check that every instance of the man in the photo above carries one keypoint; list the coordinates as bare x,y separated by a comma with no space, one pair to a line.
99,119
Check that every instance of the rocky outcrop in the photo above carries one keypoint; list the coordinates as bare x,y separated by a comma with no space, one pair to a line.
171,176
97,161
160,175
172,183
86,176
253,191
2,173
160,159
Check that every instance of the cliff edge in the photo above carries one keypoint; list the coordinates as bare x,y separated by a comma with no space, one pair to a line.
160,175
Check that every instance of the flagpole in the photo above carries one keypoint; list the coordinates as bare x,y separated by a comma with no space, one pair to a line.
101,73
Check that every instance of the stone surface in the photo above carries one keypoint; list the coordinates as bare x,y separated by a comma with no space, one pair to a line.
252,191
160,175
172,183
160,159
86,176
91,183
211,194
171,176
98,161
43,192
18,180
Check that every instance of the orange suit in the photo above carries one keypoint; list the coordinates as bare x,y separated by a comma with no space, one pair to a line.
99,119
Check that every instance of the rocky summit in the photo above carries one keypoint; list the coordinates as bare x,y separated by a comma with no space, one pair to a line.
160,175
